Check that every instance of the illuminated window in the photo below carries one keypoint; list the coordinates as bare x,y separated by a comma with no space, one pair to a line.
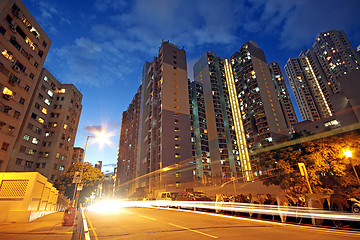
50,93
176,86
44,110
7,93
35,141
65,126
177,146
30,43
54,124
8,55
46,79
177,155
47,101
177,174
62,90
26,137
57,155
177,129
177,138
40,120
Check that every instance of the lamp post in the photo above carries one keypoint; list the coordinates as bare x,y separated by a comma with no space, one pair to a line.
76,191
348,154
103,138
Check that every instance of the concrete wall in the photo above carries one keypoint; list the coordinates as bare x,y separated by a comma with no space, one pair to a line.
25,196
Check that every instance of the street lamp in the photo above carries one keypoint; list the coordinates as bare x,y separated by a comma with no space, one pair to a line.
101,137
348,154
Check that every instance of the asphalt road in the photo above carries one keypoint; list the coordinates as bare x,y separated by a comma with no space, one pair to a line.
157,224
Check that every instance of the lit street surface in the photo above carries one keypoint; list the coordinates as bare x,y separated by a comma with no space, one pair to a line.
145,223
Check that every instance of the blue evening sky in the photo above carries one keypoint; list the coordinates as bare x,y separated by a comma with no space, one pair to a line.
100,46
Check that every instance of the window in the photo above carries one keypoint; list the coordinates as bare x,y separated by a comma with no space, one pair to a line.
176,121
5,146
50,93
40,120
65,126
35,141
16,114
177,138
28,164
18,161
26,137
177,146
11,129
177,155
177,129
44,110
47,101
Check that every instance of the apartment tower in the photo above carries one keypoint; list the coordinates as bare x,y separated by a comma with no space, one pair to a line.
24,46
263,119
283,94
336,55
164,151
46,138
126,169
218,144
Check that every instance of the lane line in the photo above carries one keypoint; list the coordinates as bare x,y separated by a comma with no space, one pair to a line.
91,226
147,217
193,230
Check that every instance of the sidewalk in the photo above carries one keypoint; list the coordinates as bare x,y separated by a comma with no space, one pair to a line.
47,227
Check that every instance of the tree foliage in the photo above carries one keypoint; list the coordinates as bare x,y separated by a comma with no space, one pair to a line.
329,170
91,178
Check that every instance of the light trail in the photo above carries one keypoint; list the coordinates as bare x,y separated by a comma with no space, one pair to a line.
275,210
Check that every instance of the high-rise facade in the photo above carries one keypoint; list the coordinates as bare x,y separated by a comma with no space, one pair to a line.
24,46
260,108
164,135
283,94
46,137
336,55
306,85
314,75
127,162
77,155
218,147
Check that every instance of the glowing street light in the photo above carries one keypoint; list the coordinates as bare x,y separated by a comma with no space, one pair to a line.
102,137
348,154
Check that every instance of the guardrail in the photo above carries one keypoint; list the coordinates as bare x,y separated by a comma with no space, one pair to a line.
82,228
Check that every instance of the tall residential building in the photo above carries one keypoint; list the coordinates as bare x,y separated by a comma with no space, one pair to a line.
307,88
336,55
261,111
283,94
164,124
219,155
24,46
126,169
46,136
77,155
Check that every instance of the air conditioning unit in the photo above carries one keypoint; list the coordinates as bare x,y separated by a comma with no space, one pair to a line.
16,68
13,28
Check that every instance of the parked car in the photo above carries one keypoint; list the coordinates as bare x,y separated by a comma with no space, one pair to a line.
167,196
192,196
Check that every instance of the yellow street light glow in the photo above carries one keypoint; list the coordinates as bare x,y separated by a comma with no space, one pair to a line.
348,153
102,137
166,169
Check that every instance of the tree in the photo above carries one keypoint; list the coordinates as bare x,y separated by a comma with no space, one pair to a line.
328,169
91,178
